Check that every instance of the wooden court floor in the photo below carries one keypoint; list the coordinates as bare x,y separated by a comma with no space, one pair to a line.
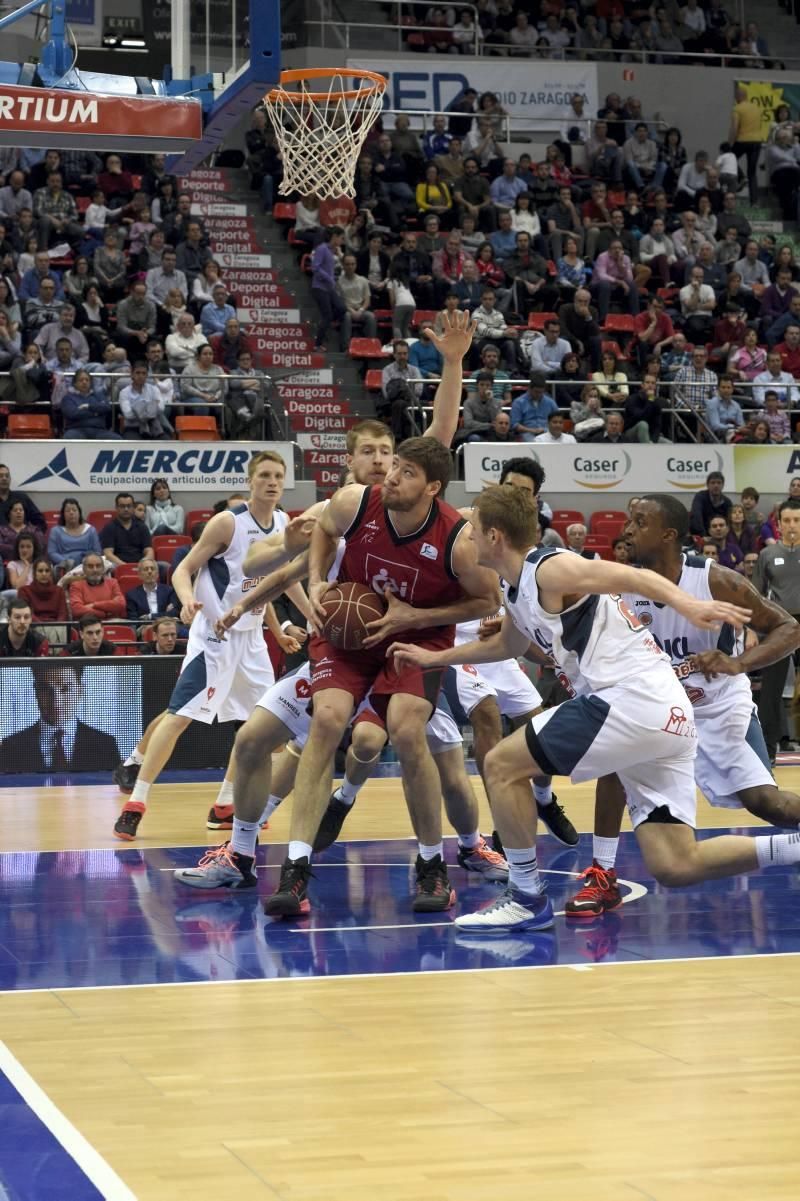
668,1081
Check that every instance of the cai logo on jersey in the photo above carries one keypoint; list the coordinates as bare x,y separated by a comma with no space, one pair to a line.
399,578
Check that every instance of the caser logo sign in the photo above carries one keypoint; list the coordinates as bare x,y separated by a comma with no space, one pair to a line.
186,465
601,470
690,471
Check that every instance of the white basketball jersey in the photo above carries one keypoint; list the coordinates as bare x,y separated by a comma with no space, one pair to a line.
596,643
679,639
221,583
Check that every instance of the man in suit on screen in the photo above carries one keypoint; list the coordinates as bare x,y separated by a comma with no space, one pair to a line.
58,741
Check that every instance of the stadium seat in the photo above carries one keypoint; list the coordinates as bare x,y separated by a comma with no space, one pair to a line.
165,545
619,323
374,379
29,425
197,429
607,529
615,348
420,315
195,515
383,317
286,213
100,517
51,516
560,528
617,515
366,348
539,320
127,576
595,542
568,515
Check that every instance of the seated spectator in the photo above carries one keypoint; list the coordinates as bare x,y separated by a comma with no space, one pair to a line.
783,165
41,310
203,285
780,381
405,142
390,175
399,368
165,639
744,534
73,538
789,350
500,429
373,263
182,345
355,293
571,271
691,180
125,539
437,140
15,524
150,598
490,362
697,307
578,322
614,430
757,433
695,384
547,352
507,187
567,382
491,328
192,252
48,602
76,280
448,265
612,384
641,161
657,251
576,541
56,213
471,197
91,640
613,278
480,410
19,568
749,360
563,220
451,165
116,183
753,271
777,419
109,267
654,330
136,319
530,410
708,503
503,240
619,549
31,281
245,399
723,413
202,383
214,316
228,345
86,414
780,326
555,431
729,334
729,554
162,515
17,639
142,406
587,414
641,414
159,281
469,289
91,318
417,266
95,593
425,354
529,278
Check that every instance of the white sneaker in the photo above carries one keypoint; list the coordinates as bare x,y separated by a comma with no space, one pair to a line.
512,910
219,868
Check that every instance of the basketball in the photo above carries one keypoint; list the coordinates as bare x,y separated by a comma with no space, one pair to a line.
348,608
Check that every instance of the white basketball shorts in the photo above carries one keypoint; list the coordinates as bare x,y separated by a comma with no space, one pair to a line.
221,679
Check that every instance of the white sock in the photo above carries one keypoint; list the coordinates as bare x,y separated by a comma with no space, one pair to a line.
543,793
244,837
272,804
777,849
604,850
523,870
432,851
469,841
347,792
225,795
299,850
135,757
141,791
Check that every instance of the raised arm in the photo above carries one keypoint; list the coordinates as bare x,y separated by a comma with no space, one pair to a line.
271,552
780,633
453,344
265,591
507,643
563,579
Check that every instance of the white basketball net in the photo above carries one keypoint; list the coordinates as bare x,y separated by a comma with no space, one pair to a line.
320,136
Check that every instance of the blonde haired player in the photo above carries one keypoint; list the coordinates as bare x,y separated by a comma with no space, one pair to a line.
222,679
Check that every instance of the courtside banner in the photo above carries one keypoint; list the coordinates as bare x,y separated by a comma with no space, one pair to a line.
539,90
767,468
44,111
600,468
52,466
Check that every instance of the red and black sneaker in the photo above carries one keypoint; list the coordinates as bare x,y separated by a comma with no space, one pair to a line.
599,894
434,892
289,898
127,823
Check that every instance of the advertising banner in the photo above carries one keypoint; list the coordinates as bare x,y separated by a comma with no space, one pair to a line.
245,262
44,111
766,95
50,466
767,468
537,90
597,468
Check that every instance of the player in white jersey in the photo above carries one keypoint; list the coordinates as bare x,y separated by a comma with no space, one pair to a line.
628,714
732,765
221,679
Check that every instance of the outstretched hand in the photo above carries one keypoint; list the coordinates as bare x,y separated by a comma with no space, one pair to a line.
456,337
710,615
406,654
297,534
715,663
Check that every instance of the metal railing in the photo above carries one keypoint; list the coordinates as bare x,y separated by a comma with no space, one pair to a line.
400,25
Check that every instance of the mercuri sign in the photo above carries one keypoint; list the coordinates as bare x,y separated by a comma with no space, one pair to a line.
94,118
191,467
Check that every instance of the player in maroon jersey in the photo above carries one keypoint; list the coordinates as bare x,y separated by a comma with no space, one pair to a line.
405,542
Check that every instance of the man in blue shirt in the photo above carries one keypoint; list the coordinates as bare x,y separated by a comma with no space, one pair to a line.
723,413
504,240
41,269
437,140
424,354
530,411
217,312
507,187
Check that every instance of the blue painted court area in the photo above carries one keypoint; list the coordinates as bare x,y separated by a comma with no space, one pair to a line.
116,918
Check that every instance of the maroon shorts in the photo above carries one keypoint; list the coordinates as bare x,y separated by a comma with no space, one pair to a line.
358,672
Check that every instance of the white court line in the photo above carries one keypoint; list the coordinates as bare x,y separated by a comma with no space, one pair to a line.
637,891
91,1163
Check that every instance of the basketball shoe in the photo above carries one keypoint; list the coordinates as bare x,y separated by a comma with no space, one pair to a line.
127,823
434,892
558,823
331,825
125,775
484,862
513,910
290,897
220,867
220,817
599,894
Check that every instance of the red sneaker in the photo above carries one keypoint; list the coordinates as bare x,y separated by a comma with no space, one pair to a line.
599,894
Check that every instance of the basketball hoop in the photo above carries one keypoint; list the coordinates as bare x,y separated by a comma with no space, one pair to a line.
320,133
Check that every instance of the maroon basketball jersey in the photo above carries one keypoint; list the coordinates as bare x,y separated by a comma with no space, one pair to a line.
417,567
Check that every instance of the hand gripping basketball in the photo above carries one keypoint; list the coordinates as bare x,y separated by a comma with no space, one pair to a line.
347,609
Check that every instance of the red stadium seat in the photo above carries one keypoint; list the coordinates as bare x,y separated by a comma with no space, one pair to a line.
366,348
618,515
568,515
100,517
115,633
165,545
420,315
595,542
195,515
29,425
374,379
619,323
127,576
608,529
539,320
284,212
615,348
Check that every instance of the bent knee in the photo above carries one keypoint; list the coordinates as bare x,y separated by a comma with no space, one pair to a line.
674,875
367,742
